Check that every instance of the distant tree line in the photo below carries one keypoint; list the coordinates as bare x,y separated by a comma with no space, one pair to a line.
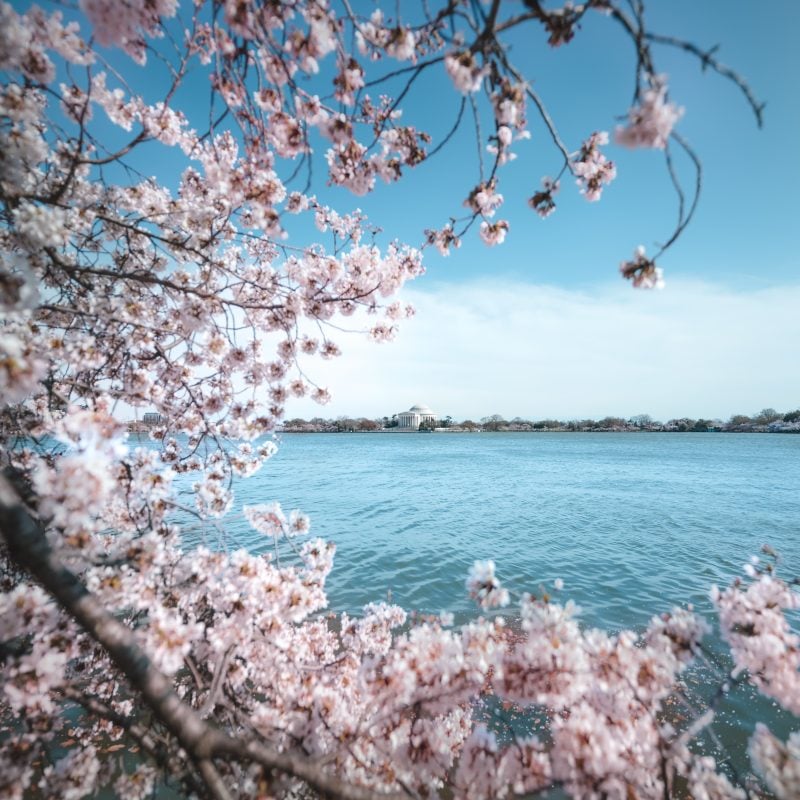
766,420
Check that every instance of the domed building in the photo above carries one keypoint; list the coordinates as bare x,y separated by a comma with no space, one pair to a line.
411,420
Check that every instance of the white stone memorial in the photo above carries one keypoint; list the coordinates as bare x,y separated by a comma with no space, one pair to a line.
411,420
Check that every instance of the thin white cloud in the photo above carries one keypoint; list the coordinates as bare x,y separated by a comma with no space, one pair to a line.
536,351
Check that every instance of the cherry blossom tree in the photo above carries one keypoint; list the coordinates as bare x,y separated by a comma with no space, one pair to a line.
132,662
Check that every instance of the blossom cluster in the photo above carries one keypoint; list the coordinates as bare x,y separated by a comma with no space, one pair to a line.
484,587
642,271
753,621
542,202
396,703
465,72
651,122
185,295
591,167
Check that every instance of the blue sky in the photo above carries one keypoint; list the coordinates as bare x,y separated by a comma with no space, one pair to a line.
744,230
487,346
543,325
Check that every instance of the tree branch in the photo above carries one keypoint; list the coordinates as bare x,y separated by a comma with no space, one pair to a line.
707,59
29,548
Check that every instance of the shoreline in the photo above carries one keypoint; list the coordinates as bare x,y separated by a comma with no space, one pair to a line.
541,431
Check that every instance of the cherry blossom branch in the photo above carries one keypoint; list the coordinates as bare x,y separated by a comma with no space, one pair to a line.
542,109
213,780
675,183
476,119
707,59
403,71
28,546
452,131
142,736
698,185
220,672
180,295
640,36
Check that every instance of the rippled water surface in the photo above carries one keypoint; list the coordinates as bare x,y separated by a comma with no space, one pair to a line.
631,522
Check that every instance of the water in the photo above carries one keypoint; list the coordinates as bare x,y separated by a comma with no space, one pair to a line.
632,523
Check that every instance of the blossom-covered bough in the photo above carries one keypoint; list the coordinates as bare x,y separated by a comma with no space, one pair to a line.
132,662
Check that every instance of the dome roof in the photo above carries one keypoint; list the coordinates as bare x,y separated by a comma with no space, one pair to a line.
421,409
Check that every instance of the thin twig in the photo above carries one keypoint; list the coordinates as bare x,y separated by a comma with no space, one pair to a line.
707,59
697,189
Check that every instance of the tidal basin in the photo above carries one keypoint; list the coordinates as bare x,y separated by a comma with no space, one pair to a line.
632,523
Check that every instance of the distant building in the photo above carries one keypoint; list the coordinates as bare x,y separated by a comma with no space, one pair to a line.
411,420
152,418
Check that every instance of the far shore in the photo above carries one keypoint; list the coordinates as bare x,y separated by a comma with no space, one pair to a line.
766,421
538,430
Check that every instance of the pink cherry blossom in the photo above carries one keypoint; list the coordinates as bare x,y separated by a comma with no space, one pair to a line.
542,201
777,762
651,122
125,25
484,200
592,169
642,271
464,71
753,621
484,587
494,233
443,239
205,293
